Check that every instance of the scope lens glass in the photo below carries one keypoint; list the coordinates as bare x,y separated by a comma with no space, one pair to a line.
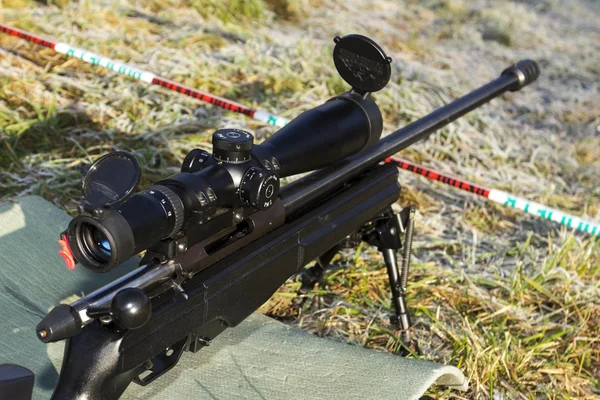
102,241
95,243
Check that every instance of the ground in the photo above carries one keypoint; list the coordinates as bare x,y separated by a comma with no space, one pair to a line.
510,299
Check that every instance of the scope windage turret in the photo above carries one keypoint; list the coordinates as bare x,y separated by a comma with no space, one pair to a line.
236,180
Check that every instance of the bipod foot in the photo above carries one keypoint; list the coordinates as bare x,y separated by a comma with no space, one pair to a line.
409,345
403,323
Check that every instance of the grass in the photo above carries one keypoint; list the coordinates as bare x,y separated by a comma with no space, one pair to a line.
511,300
531,332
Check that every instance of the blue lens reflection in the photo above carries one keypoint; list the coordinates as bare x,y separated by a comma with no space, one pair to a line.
102,242
105,245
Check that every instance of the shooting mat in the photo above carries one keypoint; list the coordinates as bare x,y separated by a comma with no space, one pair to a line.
259,359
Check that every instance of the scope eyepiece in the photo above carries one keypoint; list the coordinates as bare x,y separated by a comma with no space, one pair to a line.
102,241
96,243
104,238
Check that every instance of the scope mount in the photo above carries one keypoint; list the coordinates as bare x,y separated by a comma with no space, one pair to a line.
362,63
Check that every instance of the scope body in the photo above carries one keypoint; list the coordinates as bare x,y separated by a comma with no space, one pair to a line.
219,190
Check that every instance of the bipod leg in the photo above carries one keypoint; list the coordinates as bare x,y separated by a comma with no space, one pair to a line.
401,318
386,236
309,277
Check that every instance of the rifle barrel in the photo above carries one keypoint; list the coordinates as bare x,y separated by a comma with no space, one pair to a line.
302,192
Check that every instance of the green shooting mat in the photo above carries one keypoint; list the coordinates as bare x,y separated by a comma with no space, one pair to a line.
260,359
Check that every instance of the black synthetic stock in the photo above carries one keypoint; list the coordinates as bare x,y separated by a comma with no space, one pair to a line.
16,382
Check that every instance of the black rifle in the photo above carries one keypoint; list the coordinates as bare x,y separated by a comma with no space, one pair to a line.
221,238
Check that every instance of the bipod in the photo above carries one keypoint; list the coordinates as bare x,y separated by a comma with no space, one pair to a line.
389,232
385,232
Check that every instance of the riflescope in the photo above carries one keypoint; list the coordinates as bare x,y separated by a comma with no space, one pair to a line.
219,190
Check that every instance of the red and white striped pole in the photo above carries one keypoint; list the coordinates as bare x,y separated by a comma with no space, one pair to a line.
497,196
501,197
145,76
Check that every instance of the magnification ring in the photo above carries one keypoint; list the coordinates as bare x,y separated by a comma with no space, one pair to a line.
172,205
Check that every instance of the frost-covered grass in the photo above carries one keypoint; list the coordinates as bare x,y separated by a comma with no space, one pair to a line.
510,299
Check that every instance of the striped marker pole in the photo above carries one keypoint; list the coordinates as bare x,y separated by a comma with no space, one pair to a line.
145,76
501,197
494,195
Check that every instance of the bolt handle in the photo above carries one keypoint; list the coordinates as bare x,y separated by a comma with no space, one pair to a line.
130,308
